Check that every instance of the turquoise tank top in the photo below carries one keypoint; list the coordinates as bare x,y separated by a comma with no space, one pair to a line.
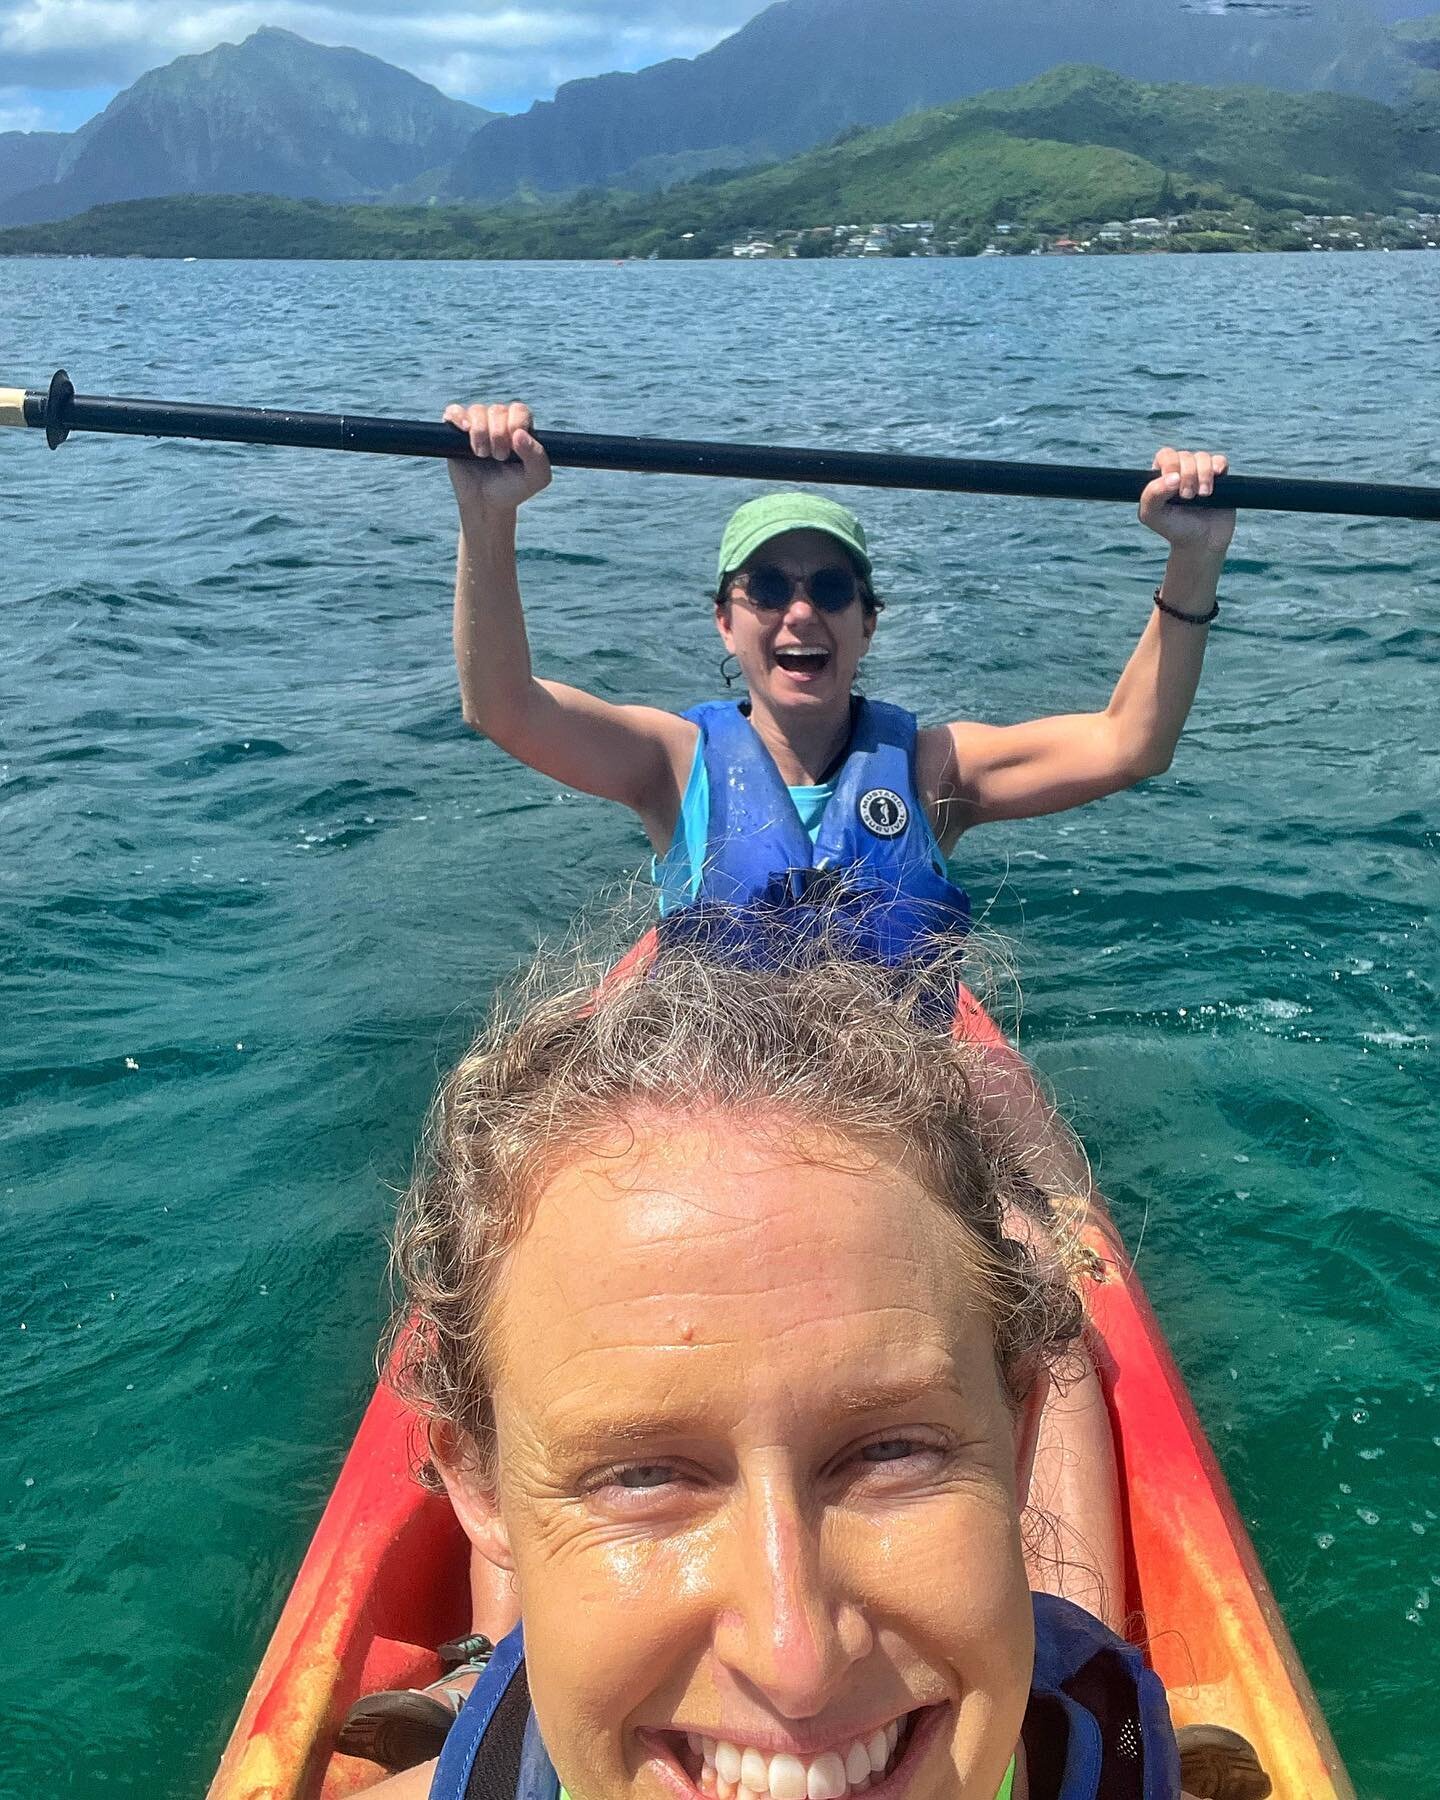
677,873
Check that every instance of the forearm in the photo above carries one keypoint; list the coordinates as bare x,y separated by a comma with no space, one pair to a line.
1153,696
1019,771
492,652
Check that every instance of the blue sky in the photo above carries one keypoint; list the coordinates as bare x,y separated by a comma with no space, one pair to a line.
62,60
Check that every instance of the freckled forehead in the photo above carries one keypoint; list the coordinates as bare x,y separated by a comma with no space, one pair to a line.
675,1221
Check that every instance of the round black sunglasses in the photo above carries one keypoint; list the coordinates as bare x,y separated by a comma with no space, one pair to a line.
768,588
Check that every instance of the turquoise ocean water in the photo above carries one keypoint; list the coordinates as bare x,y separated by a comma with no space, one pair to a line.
256,882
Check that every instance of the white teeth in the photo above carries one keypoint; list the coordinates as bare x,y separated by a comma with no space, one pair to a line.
729,1772
754,1771
828,1778
787,1778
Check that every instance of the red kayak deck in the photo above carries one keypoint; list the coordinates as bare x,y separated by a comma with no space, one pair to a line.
385,1579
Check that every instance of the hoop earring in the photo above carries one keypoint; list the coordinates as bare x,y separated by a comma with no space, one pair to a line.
731,676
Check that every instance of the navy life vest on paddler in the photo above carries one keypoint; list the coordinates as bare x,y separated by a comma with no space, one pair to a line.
740,840
1097,1726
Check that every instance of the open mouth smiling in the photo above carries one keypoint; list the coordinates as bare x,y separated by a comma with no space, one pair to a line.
721,1769
802,659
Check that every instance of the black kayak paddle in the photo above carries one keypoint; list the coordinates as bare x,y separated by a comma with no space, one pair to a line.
58,410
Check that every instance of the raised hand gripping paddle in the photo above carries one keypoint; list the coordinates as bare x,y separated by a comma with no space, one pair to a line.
58,410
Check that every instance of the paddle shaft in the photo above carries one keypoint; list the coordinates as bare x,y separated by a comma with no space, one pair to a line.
60,410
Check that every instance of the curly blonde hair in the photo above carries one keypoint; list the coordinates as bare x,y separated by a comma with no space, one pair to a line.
842,1046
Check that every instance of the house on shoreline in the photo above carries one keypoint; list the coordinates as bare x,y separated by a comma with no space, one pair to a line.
1143,234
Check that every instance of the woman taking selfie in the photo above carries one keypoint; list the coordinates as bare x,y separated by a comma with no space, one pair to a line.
733,1371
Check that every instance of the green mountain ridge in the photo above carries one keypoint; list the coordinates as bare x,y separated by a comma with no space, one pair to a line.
1312,152
802,70
1075,145
275,113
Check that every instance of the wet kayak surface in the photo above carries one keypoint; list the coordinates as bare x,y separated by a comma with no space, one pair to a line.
256,881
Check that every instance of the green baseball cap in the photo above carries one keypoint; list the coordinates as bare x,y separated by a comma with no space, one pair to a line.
757,521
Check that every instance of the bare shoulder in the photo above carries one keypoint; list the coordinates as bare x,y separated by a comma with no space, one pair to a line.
674,735
934,758
657,800
673,731
634,754
937,775
669,729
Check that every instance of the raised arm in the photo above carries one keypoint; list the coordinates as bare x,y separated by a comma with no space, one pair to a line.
979,773
638,755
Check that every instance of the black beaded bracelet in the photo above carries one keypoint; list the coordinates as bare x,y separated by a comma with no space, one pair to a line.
1174,612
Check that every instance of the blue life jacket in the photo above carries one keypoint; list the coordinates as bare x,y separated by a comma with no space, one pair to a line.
1097,1726
874,866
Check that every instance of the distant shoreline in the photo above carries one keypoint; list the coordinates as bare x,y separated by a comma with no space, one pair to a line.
601,261
261,228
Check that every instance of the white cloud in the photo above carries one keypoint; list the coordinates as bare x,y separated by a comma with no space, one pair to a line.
495,47
18,112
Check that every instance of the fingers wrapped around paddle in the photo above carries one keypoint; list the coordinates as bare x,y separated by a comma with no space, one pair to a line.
509,464
1180,476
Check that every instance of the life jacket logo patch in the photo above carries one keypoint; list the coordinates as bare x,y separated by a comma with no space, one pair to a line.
883,812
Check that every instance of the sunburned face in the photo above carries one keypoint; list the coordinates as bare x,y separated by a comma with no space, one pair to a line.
757,1479
798,656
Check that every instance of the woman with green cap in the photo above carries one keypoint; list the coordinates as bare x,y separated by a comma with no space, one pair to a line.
801,782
